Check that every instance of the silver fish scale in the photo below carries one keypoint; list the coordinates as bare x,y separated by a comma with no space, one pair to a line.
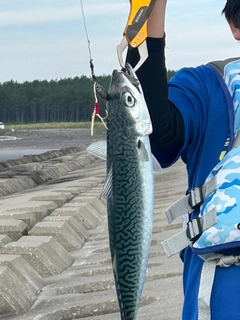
130,208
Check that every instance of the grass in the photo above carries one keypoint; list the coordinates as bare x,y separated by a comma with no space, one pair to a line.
98,126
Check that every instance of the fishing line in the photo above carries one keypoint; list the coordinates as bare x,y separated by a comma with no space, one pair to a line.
88,41
96,107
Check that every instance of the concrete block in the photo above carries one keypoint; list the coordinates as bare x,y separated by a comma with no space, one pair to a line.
14,162
13,297
55,153
66,158
73,165
4,165
36,178
78,186
93,213
59,198
28,217
43,253
60,231
50,206
25,183
8,186
90,208
20,184
31,280
83,160
62,169
35,158
4,239
30,167
82,212
39,212
2,191
43,157
48,154
40,209
74,224
13,228
95,202
48,174
73,212
73,189
53,172
14,185
88,182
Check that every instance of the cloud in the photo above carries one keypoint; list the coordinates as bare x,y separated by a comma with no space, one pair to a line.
34,14
46,39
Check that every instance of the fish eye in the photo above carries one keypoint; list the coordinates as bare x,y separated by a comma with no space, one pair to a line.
128,99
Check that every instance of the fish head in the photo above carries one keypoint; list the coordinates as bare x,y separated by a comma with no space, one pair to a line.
127,104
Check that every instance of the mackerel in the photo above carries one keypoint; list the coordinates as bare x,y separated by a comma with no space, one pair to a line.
129,186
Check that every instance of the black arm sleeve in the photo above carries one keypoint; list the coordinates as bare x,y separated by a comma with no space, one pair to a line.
167,121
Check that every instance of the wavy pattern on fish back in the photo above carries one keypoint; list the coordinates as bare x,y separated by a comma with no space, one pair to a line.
129,212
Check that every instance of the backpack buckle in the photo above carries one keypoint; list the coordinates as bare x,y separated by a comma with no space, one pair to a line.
196,197
194,229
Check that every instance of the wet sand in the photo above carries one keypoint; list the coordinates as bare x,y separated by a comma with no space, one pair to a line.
16,144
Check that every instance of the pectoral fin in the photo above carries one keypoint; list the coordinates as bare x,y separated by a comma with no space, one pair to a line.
142,151
98,149
143,154
156,165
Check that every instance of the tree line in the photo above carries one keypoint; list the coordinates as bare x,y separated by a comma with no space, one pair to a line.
64,100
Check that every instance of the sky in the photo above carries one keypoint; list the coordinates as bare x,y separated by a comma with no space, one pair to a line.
46,39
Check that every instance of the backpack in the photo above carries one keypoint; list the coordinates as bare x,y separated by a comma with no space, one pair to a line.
216,228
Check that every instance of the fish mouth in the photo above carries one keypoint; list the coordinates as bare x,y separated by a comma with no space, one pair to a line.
118,79
122,78
131,75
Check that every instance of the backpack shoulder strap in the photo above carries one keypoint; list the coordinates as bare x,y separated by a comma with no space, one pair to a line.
215,68
220,65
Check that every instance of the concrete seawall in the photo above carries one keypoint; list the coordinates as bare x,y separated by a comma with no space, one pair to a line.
55,260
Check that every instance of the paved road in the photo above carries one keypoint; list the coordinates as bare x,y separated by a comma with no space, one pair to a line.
19,143
9,154
61,235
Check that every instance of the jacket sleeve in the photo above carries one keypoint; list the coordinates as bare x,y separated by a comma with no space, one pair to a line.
168,124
